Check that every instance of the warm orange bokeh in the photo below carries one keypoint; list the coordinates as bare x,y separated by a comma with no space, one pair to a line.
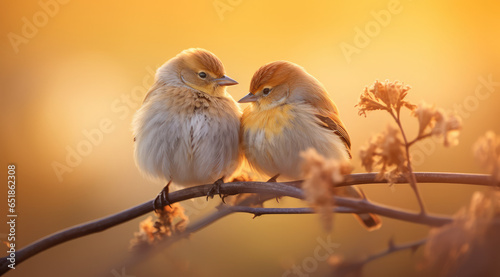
88,64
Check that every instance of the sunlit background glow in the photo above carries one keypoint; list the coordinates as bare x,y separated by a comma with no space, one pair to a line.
89,63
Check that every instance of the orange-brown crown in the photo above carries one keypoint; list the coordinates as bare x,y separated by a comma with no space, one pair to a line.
273,74
201,58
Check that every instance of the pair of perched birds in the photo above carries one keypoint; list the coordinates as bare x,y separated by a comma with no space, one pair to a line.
190,131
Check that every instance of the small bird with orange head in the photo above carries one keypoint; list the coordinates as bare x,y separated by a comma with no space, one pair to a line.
290,112
187,129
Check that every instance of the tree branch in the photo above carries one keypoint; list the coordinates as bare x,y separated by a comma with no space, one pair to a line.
243,207
222,211
395,248
356,206
346,267
290,189
274,211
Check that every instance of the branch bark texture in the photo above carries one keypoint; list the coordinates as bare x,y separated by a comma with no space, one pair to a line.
290,189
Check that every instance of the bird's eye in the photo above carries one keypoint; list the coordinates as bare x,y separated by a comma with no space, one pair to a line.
202,75
266,91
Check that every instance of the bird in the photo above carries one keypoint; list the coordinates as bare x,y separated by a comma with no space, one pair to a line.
290,111
186,131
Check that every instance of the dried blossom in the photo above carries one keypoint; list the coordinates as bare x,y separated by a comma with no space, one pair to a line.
369,153
171,213
321,175
425,114
447,126
169,221
436,122
487,152
146,235
387,96
385,150
469,246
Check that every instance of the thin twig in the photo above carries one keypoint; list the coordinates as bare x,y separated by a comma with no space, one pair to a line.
280,211
395,248
278,189
129,214
222,211
419,137
350,205
352,266
139,256
356,206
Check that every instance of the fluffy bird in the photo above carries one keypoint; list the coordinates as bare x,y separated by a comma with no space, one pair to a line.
187,129
290,112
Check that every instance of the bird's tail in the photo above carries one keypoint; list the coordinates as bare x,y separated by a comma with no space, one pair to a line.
370,221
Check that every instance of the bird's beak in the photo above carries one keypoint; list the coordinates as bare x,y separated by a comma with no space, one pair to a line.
248,98
225,81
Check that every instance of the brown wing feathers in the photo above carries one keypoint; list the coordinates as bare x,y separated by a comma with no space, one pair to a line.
338,129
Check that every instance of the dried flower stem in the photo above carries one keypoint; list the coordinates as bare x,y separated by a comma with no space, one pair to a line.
411,177
276,189
420,137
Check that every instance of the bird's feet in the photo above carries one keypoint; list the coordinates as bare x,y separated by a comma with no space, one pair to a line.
161,199
215,189
273,180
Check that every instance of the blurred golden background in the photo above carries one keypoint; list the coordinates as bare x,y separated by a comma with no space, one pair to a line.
70,68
